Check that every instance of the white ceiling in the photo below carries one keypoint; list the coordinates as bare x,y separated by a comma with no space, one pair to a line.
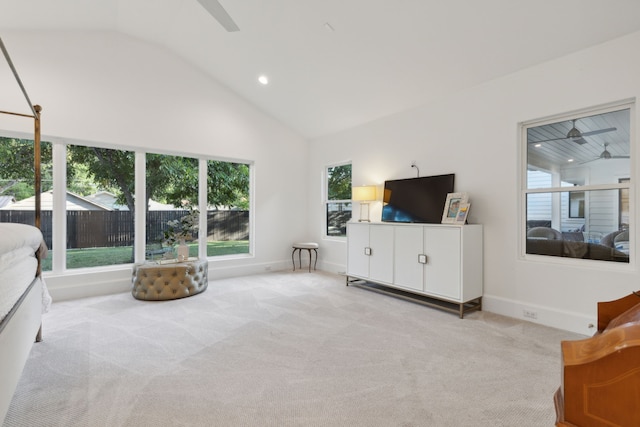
383,57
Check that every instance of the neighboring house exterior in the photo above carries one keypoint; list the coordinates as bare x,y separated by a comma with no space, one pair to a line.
100,201
74,203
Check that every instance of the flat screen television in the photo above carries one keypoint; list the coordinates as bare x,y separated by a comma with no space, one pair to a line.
416,199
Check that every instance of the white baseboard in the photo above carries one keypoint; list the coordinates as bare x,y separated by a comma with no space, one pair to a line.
87,283
573,322
225,272
331,267
90,284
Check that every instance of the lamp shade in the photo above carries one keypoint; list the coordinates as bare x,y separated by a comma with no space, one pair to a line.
365,193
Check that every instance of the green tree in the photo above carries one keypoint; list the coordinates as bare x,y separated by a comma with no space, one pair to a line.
339,183
228,184
107,168
176,181
170,179
17,167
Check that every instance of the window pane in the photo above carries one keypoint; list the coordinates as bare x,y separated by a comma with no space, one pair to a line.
228,208
581,153
598,234
17,186
338,204
172,201
99,206
339,182
338,214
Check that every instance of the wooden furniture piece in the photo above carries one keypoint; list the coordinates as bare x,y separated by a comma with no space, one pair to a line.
308,246
601,375
440,263
157,281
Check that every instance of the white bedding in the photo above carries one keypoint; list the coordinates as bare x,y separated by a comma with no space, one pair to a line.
19,244
15,236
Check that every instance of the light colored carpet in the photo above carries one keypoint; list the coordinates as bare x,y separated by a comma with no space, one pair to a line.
285,349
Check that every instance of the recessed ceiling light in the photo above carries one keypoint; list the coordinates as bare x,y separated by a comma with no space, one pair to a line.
538,145
570,160
263,79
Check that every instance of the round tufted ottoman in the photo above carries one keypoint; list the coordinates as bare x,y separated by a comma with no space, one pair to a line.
156,282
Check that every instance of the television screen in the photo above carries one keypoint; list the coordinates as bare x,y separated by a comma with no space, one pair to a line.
416,199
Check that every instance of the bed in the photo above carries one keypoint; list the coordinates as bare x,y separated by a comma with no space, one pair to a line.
23,299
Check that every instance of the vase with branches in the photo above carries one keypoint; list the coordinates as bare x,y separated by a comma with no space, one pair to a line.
181,230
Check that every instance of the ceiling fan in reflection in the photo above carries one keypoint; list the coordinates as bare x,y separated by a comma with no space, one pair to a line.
606,155
577,136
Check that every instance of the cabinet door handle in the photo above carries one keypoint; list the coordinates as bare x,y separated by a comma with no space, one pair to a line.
422,258
367,251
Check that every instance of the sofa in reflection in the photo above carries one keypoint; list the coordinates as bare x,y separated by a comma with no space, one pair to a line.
548,241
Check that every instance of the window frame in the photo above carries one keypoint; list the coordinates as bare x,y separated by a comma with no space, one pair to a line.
620,185
58,252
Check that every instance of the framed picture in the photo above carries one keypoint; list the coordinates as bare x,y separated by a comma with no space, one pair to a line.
452,206
463,212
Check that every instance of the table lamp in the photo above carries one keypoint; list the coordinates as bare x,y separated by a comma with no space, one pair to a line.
364,194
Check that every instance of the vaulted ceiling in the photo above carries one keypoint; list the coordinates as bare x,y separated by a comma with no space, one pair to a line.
336,64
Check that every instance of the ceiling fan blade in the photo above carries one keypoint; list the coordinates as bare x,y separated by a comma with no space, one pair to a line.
599,131
602,158
580,140
217,11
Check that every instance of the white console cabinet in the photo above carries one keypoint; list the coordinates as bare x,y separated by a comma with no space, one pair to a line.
441,263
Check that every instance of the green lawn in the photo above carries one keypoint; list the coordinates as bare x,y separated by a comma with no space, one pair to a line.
95,257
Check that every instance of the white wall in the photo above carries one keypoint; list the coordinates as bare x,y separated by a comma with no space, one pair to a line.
474,134
111,89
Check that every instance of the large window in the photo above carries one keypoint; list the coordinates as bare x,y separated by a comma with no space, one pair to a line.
338,199
98,202
576,185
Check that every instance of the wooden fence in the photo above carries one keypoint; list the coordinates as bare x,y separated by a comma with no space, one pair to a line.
94,229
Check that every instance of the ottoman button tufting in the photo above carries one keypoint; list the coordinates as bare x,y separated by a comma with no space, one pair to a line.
170,281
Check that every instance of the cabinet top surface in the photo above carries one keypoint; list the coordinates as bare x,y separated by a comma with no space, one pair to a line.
412,224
